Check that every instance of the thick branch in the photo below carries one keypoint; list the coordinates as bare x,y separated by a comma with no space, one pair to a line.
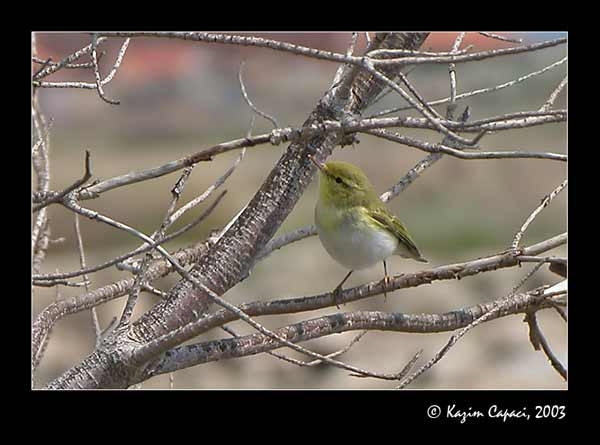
186,356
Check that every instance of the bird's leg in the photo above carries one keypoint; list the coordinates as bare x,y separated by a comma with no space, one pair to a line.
338,289
386,281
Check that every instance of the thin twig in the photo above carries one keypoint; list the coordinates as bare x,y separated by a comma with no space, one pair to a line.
44,65
60,282
331,56
173,216
416,104
97,74
545,201
172,166
280,135
95,323
140,278
439,148
559,310
479,91
352,46
68,60
73,66
452,73
249,102
546,259
502,38
538,339
59,196
218,183
496,307
455,337
88,85
389,52
39,279
550,102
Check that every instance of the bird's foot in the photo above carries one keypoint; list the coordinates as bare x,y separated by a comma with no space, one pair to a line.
386,283
337,293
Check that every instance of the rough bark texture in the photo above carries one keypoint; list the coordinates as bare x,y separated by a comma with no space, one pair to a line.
230,259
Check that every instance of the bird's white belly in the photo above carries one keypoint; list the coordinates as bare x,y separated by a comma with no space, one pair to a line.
355,245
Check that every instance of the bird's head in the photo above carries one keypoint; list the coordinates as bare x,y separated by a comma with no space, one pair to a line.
342,183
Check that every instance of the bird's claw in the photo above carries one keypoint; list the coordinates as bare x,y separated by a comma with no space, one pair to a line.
336,296
386,283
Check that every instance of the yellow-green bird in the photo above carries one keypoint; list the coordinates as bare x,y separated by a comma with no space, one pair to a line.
354,225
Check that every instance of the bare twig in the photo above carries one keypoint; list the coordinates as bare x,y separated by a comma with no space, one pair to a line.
431,117
499,37
60,282
95,323
97,74
44,65
59,196
249,102
507,121
155,172
39,279
497,307
73,66
538,339
545,201
67,60
88,85
352,46
410,176
479,91
387,53
140,279
209,191
550,102
331,56
439,148
559,310
546,259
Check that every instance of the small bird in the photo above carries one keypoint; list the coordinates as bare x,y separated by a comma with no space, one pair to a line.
354,225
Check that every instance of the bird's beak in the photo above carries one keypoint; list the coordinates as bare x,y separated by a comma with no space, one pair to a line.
319,165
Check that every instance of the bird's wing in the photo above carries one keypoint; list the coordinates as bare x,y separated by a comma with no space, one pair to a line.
383,217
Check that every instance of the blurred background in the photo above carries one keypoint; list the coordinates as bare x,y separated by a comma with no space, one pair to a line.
179,97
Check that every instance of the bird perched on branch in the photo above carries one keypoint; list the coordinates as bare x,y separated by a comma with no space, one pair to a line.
354,225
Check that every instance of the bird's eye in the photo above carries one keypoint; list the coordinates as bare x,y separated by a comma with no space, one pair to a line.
338,180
